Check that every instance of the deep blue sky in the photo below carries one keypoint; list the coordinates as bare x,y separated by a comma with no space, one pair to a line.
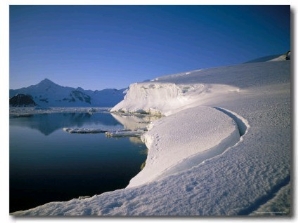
98,47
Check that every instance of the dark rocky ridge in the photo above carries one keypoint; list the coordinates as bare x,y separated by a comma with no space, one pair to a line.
22,100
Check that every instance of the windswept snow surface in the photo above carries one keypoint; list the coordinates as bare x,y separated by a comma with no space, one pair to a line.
209,128
222,149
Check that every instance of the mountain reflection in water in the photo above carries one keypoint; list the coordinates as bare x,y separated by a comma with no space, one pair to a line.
49,123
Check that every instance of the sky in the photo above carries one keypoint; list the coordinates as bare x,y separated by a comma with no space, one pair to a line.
97,47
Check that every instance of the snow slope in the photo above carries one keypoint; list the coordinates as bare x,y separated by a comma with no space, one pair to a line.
222,149
280,57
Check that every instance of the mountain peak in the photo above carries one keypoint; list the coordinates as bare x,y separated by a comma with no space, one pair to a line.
46,81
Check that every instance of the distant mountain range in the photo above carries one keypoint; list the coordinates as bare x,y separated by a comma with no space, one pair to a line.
49,94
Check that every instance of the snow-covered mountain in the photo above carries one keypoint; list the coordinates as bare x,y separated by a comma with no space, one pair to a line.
49,94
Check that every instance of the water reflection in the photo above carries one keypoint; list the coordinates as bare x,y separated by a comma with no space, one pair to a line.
57,166
135,140
49,123
134,122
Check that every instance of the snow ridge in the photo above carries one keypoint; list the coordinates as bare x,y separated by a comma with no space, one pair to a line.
201,157
241,122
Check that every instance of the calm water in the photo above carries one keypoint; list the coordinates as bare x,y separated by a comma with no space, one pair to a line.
48,164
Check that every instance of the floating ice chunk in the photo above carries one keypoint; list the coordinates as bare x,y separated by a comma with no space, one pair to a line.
83,197
84,130
126,133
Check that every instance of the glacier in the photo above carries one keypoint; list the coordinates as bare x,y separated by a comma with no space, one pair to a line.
222,147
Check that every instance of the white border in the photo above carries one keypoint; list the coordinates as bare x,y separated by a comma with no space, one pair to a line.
149,2
4,86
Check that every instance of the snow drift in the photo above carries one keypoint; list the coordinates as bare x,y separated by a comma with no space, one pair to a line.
205,128
223,149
